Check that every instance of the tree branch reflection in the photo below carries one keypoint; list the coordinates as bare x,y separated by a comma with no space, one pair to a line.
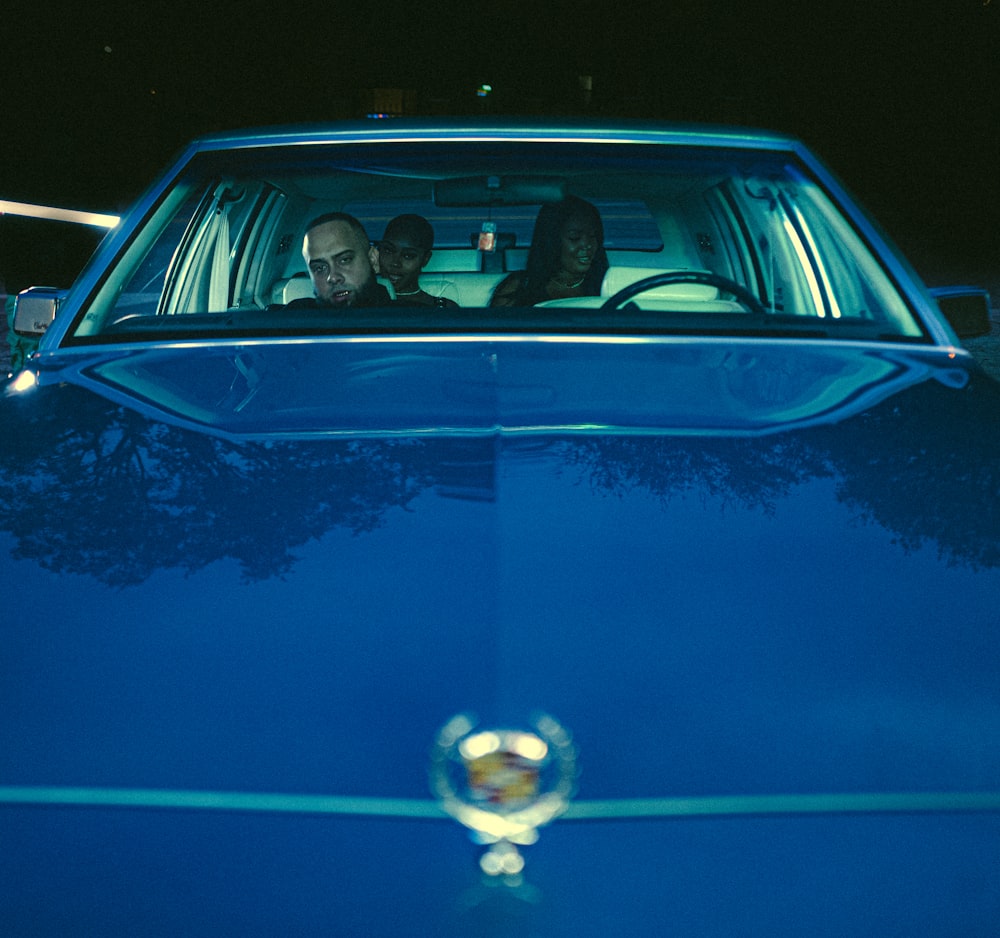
93,487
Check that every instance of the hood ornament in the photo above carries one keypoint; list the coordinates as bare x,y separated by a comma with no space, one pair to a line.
503,784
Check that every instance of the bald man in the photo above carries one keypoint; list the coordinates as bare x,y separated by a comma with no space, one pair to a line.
342,264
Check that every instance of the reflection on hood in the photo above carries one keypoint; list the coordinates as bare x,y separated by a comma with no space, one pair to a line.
97,488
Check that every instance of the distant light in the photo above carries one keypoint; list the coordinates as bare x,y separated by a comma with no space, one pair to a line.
58,214
380,115
483,90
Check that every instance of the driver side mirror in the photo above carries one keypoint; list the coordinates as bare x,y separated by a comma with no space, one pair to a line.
35,309
967,309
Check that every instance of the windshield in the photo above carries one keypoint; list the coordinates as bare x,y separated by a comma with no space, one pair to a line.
671,239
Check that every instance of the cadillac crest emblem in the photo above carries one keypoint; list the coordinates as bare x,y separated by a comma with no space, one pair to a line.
503,784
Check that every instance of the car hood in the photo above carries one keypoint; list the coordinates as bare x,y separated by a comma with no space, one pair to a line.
753,585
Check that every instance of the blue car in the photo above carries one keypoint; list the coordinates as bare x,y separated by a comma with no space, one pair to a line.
620,558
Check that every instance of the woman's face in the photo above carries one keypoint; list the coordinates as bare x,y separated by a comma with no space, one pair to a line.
579,241
400,261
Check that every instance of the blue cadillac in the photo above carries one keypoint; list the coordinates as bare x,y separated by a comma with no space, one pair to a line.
622,560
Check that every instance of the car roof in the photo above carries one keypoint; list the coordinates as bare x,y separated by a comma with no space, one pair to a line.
600,131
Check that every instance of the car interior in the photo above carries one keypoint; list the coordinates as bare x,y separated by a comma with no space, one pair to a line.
715,240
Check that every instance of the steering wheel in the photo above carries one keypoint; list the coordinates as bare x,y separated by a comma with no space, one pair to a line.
742,294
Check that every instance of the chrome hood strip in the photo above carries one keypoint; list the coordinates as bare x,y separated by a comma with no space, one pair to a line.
607,809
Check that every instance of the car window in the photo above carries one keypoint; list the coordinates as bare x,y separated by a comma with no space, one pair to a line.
734,239
142,290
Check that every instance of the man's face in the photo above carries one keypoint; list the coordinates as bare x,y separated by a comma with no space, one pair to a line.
339,262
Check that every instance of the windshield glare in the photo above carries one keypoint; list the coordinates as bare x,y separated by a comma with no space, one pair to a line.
719,242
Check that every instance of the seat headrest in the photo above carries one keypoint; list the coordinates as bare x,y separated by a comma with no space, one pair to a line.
617,278
296,287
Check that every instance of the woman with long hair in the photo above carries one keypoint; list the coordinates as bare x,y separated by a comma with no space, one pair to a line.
566,257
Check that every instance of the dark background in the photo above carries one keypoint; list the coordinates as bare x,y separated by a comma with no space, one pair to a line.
901,99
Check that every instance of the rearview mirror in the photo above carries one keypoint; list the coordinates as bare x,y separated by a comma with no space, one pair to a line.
499,190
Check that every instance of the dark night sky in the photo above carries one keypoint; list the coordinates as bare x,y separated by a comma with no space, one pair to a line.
902,99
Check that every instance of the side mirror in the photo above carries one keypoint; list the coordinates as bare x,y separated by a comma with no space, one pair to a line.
967,309
35,309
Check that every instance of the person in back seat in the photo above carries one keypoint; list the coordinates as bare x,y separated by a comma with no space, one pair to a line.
403,252
342,263
566,257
